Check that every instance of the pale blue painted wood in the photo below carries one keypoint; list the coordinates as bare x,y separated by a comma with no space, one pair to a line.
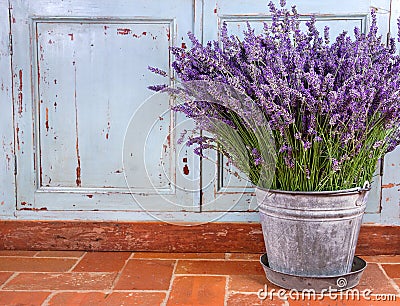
390,213
85,76
391,187
101,185
395,14
7,184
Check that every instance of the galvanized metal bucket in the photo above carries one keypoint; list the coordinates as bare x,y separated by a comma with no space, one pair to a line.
311,233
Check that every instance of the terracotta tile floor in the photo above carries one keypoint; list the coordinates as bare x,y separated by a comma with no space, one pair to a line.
125,278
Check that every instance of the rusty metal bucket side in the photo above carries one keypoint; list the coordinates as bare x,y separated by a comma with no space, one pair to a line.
311,234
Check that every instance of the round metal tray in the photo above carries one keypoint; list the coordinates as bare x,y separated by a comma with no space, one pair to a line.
317,283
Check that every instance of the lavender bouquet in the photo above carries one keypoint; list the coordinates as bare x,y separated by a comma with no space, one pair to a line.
331,108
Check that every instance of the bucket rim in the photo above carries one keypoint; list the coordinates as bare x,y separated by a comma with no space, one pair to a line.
316,193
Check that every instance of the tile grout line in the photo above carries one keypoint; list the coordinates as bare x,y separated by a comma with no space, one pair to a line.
12,276
391,281
242,292
213,275
56,257
250,292
227,284
63,272
118,276
49,297
79,259
40,257
85,290
62,252
167,295
194,259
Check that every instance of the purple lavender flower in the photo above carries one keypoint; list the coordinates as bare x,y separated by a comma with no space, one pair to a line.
158,71
157,87
335,165
335,97
307,145
257,157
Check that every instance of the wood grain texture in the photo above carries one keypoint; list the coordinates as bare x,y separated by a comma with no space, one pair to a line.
163,237
378,240
7,165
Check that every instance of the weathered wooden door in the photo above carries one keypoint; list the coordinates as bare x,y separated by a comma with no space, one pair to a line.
91,140
86,137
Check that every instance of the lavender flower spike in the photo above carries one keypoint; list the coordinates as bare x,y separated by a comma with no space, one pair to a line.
334,102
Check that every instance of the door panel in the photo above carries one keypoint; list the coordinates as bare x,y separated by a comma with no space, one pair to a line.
87,61
80,70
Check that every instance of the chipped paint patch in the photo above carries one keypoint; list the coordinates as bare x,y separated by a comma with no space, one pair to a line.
222,233
169,140
17,136
47,119
78,157
108,129
20,93
33,208
8,158
125,31
139,35
78,173
390,185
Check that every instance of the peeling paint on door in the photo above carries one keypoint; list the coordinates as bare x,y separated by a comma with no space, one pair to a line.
20,106
81,111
